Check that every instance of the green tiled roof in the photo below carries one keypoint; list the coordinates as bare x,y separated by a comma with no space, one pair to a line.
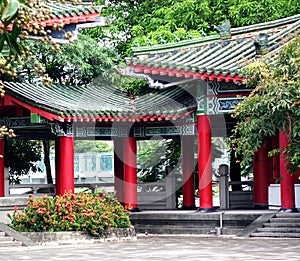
211,57
100,103
70,14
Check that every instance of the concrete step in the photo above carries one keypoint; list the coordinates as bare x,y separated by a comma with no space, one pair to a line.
270,234
6,238
10,244
279,229
288,215
8,241
285,220
282,224
172,230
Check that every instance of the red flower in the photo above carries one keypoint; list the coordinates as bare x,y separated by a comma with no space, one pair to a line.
16,208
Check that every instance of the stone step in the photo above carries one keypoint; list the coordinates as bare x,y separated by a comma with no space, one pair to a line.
279,229
2,233
285,220
10,244
6,238
288,215
172,230
281,224
270,234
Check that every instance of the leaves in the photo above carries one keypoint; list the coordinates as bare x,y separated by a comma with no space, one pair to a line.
273,106
8,9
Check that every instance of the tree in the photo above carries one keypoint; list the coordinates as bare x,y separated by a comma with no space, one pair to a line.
273,106
77,63
142,23
21,157
83,146
19,18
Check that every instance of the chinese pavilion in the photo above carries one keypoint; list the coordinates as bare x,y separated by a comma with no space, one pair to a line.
196,84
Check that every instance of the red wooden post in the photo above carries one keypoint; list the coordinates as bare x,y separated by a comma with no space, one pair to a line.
57,168
204,163
188,180
275,159
287,190
119,169
66,156
261,178
2,179
130,177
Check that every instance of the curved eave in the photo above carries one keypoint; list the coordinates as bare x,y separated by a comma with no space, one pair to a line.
63,104
133,118
66,20
46,114
227,77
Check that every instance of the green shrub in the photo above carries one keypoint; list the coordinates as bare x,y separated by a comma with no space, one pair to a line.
91,212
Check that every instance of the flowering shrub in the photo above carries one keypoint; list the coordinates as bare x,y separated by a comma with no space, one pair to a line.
91,212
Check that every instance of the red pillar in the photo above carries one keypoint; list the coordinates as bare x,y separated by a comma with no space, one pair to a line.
2,187
287,190
261,172
119,169
188,180
130,177
275,160
57,168
66,163
204,163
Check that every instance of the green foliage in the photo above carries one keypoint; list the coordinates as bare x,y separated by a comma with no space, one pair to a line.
9,12
273,106
78,63
83,146
155,156
21,157
90,212
142,23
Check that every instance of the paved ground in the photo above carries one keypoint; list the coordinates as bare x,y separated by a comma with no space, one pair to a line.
167,247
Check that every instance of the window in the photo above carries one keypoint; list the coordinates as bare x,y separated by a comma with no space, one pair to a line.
106,163
89,163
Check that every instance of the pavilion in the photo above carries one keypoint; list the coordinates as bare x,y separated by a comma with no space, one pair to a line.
196,85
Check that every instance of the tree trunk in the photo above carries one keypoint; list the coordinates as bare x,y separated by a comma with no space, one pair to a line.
46,144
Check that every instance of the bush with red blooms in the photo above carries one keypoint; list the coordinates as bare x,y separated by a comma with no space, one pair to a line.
85,211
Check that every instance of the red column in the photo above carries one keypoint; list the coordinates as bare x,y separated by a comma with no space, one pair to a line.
66,160
2,188
130,177
188,180
261,178
287,190
57,168
119,169
204,163
275,160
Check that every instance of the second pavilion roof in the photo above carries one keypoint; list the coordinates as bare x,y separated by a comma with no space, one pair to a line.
211,57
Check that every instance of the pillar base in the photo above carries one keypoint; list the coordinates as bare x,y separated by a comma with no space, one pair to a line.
288,210
206,210
135,210
260,206
189,208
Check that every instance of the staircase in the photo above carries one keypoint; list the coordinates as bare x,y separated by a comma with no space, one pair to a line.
190,222
285,225
7,241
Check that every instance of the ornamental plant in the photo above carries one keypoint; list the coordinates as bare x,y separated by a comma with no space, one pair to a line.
84,211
